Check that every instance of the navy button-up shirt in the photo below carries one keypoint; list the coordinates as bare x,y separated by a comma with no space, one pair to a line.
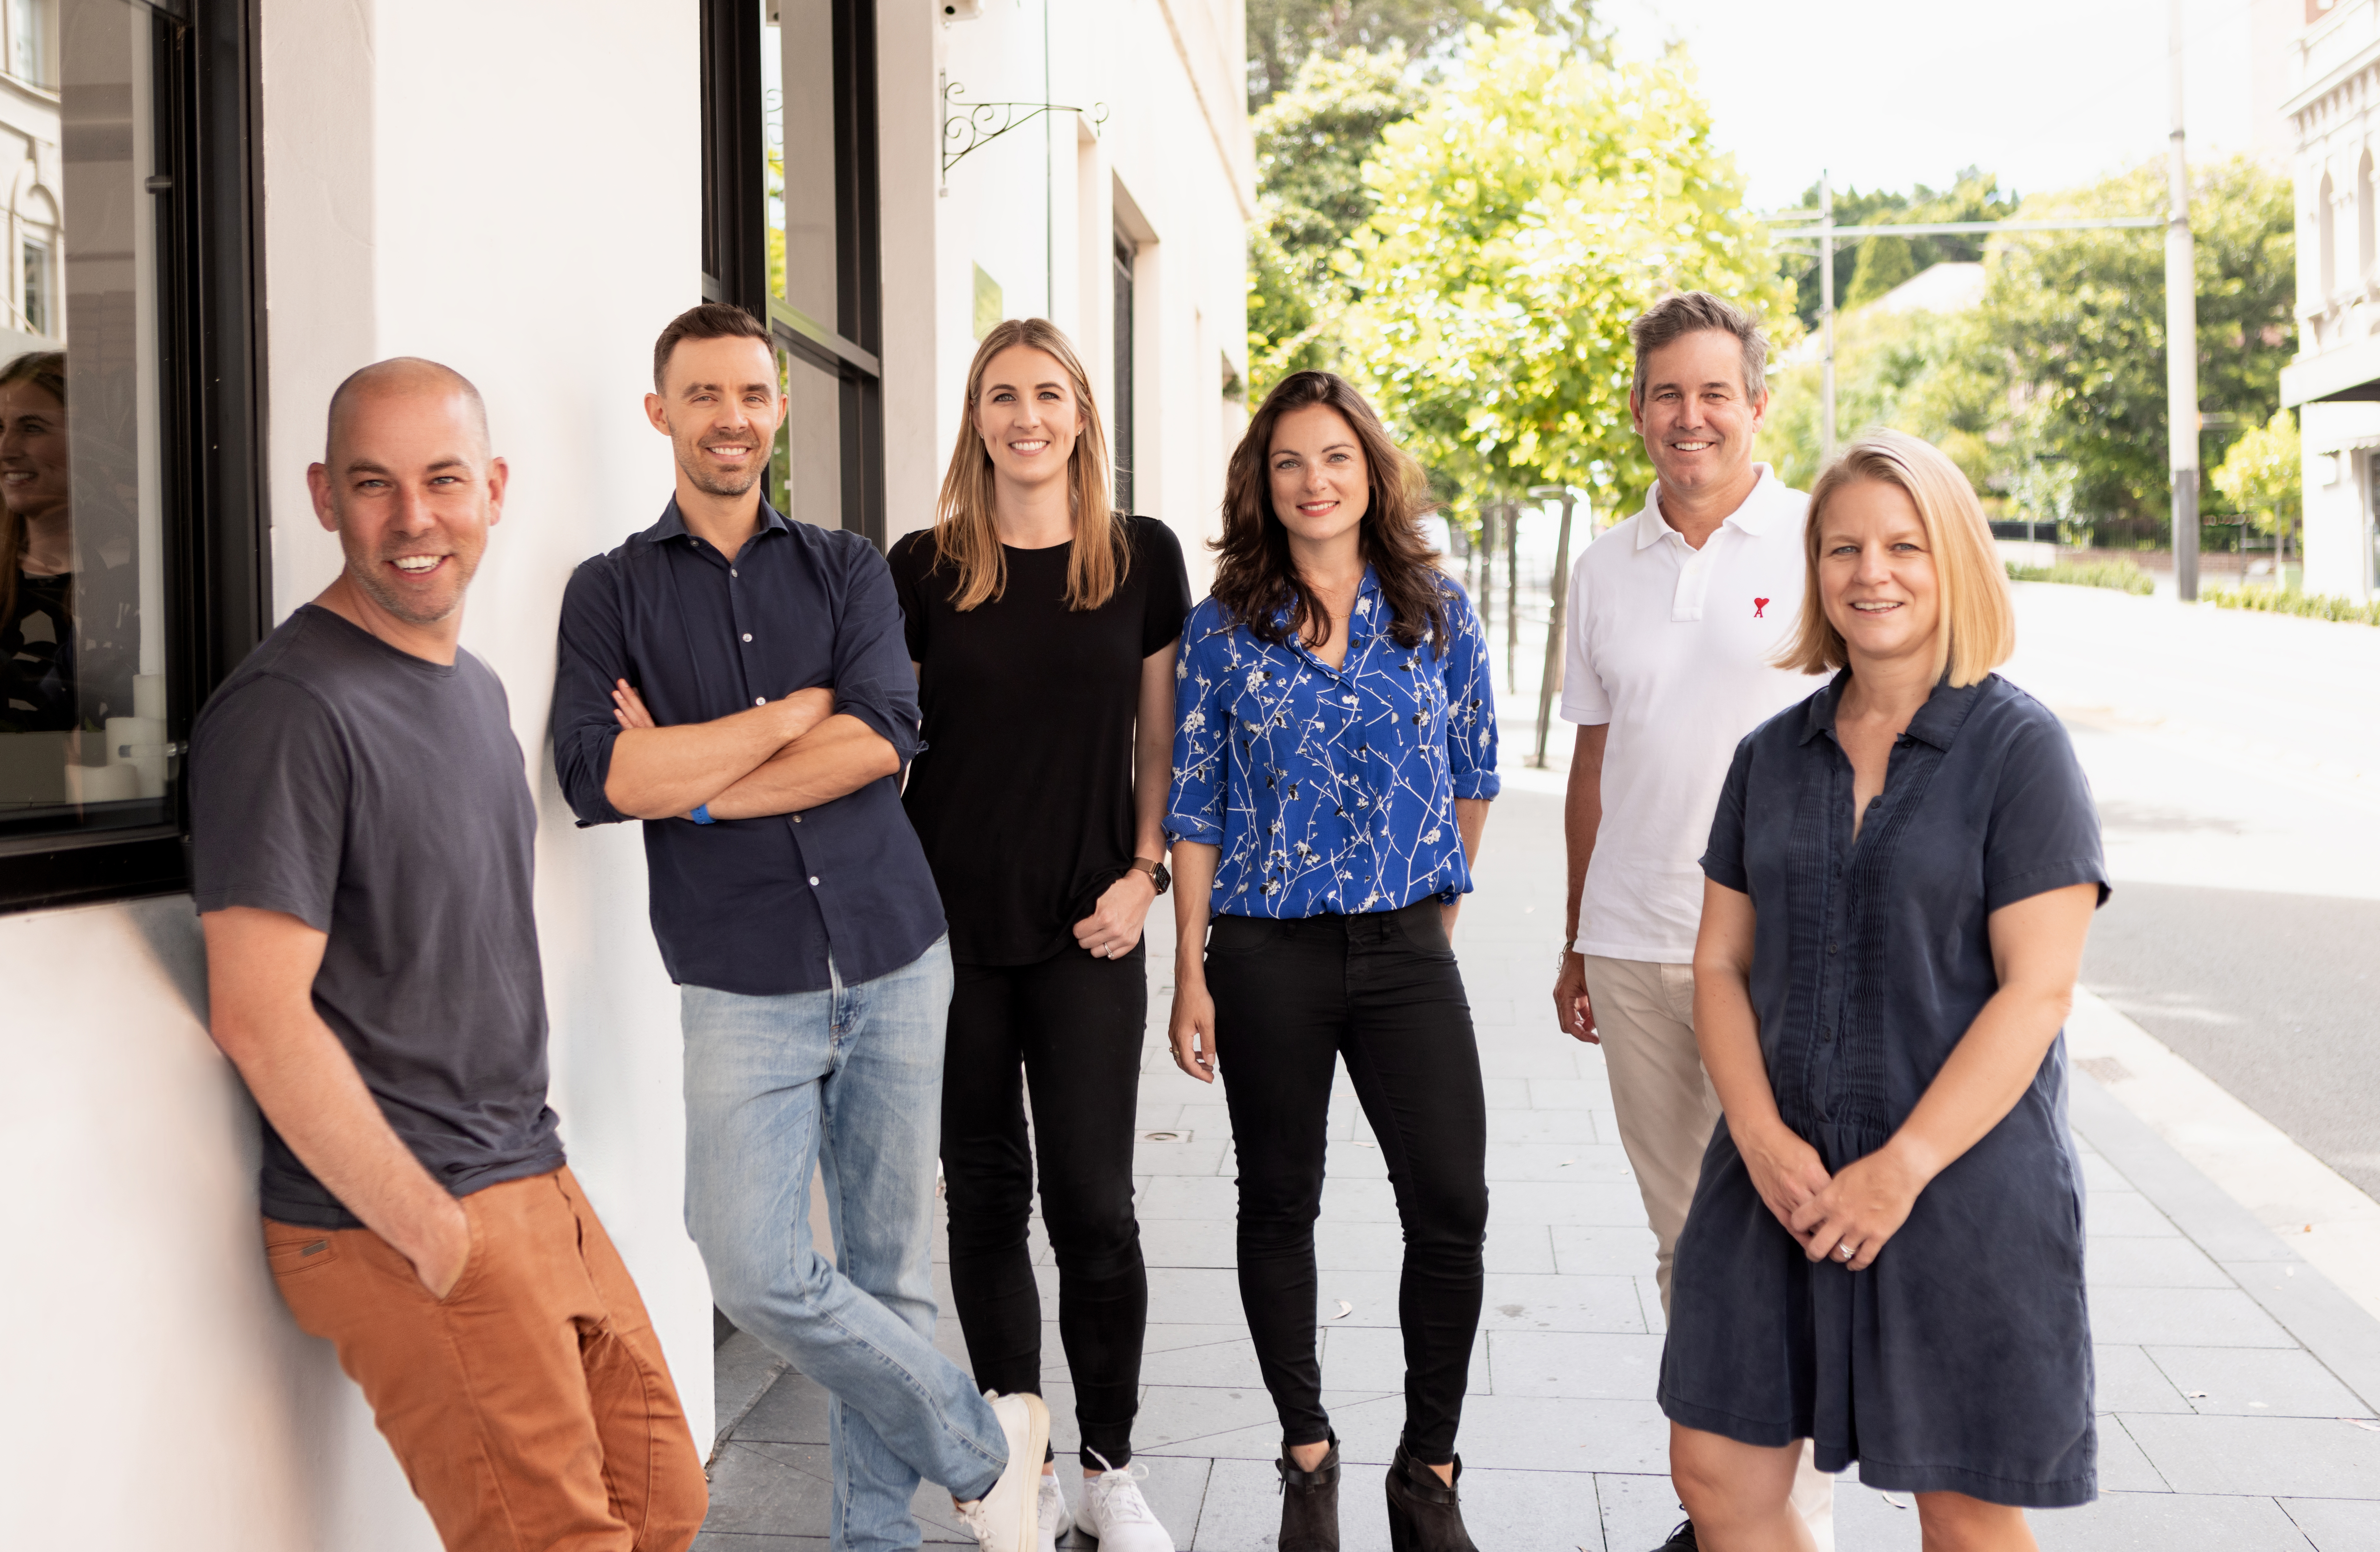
1332,790
753,906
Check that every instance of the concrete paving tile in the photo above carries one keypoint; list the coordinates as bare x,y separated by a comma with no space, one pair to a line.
2232,1381
1531,1510
1193,1295
1373,1296
741,1370
1639,1508
1536,1433
1373,1358
1187,1196
1228,1421
1357,1159
1868,1521
793,1410
1570,1094
1609,1250
1229,1365
1586,1364
2123,1214
1167,1242
1549,1057
1156,1115
754,1491
1242,1509
2289,1457
1170,1336
1202,1156
2100,1175
1204,1120
2182,1317
1648,1301
1575,1128
1562,1163
2160,1520
1517,1245
1561,1304
1358,1248
1506,1093
1499,1012
1176,1486
2124,1467
2119,1262
730,1541
1607,1203
1365,1201
2129,1380
2337,1524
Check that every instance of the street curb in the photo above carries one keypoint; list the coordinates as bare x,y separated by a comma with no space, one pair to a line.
2324,1320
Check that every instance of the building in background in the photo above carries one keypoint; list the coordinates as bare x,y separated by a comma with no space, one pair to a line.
2335,381
220,208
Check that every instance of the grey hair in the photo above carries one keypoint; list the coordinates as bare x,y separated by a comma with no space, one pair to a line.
1692,312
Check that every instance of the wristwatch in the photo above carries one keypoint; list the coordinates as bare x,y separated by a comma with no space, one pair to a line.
1158,874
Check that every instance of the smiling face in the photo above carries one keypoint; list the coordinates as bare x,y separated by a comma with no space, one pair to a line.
1876,575
1693,412
411,492
1321,486
1029,415
33,480
721,408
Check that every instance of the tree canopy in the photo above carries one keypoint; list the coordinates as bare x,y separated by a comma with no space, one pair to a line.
1539,202
1283,34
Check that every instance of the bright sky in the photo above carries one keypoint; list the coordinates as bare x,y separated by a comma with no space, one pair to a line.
1890,93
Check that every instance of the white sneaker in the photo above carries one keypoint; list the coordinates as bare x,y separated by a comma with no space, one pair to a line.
1007,1517
1114,1511
1056,1519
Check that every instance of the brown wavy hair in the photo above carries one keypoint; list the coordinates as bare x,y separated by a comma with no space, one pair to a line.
45,370
965,533
1254,579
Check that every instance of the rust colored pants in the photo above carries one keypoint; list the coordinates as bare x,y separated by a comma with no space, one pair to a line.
530,1407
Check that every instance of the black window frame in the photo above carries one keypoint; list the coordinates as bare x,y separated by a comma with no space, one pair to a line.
211,403
734,230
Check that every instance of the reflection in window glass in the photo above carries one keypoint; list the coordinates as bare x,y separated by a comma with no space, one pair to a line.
812,444
83,735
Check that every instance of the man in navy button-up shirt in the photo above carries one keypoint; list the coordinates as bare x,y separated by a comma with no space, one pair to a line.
742,684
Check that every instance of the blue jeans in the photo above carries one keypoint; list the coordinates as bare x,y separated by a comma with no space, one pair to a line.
848,1079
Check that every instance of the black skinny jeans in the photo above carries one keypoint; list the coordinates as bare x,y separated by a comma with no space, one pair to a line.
1071,1026
1383,992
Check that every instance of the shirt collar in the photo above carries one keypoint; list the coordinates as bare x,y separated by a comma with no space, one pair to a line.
1937,722
1753,516
673,523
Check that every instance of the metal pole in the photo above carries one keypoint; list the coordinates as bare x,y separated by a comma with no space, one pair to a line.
1826,315
1554,624
2181,343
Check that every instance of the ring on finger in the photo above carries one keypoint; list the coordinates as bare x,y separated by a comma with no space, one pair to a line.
1843,1252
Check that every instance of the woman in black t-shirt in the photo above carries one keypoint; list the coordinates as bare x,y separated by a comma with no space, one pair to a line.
1043,625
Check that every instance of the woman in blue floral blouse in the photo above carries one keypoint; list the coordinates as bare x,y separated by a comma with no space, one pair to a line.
1331,773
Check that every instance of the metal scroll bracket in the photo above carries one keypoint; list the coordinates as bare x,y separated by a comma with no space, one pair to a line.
967,126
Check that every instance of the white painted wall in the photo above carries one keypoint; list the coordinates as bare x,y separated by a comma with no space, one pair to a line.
441,179
2339,440
1172,165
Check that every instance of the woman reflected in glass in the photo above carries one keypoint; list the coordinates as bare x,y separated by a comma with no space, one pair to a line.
37,677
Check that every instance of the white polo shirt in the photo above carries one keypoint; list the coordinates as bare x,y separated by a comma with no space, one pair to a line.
1671,646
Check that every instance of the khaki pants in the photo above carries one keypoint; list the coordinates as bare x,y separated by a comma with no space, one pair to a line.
530,1408
1644,1016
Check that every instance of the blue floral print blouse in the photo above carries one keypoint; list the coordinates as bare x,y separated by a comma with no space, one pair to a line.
1332,790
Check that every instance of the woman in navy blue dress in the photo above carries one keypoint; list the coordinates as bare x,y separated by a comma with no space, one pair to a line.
1885,1251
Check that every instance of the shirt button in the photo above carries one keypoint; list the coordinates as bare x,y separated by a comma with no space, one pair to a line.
1830,948
797,819
760,700
813,878
733,572
748,635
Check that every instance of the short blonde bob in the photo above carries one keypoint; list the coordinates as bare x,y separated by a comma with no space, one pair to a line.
964,531
1978,629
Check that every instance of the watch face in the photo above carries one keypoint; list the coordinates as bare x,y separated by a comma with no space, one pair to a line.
1162,877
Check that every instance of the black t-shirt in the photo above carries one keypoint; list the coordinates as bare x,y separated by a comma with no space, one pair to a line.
1022,795
37,680
381,798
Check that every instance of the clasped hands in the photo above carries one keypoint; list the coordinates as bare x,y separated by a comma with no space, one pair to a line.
1844,1218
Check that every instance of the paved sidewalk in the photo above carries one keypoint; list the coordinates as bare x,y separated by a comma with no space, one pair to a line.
2237,1388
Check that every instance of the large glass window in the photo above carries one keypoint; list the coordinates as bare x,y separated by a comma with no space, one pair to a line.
125,589
790,222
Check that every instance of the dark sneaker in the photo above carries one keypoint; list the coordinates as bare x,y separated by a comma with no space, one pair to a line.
1680,1540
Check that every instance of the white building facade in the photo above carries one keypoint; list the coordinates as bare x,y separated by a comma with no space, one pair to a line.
243,201
2335,381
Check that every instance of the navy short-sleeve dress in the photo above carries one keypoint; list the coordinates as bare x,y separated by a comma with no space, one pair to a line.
1961,1361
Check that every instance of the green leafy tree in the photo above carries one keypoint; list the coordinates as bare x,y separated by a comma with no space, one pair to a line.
1283,34
1933,375
2260,476
1540,201
1311,142
2078,318
1867,268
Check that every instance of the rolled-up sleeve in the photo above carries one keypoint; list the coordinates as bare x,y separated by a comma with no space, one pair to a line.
1470,703
1194,810
592,656
873,680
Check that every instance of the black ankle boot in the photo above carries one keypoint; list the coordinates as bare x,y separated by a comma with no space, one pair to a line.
1309,1504
1425,1514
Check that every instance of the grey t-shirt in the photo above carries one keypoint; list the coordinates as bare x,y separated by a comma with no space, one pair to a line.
381,798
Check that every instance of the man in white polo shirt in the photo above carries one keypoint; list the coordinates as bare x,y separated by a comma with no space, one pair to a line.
1673,616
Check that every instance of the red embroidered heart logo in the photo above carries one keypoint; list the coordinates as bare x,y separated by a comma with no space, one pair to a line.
1759,607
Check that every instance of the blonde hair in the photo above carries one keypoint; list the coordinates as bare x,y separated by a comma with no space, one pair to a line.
1978,622
965,533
